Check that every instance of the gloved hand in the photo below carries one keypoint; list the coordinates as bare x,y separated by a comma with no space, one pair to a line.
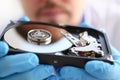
94,70
23,66
24,18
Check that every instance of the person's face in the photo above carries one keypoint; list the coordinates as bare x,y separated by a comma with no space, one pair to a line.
54,11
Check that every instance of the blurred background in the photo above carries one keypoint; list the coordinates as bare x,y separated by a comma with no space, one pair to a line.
12,10
9,10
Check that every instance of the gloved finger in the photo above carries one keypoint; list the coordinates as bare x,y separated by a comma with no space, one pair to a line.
106,70
86,25
3,48
24,18
103,70
41,72
17,63
73,73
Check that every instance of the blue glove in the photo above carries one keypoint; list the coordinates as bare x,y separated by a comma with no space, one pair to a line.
86,25
23,66
94,70
24,18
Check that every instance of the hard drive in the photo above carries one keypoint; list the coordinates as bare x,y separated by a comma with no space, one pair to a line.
57,44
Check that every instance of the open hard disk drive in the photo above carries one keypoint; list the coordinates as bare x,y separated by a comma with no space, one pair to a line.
59,45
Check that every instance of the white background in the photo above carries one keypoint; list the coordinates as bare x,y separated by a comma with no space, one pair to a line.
9,10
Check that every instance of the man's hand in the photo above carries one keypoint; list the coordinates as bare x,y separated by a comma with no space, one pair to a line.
22,66
94,70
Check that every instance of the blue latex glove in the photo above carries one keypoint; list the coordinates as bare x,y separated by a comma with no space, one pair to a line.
22,66
24,18
86,25
94,70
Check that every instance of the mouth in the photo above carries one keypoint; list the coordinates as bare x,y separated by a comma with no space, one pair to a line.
51,13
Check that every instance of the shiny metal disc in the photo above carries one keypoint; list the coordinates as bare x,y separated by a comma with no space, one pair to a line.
14,39
39,36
